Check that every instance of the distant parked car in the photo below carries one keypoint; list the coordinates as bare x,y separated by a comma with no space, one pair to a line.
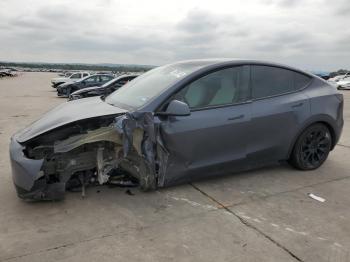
7,72
344,83
66,89
334,80
65,74
105,89
55,82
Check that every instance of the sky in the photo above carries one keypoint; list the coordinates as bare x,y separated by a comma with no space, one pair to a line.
309,34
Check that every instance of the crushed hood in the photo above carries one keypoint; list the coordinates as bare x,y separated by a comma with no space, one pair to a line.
67,113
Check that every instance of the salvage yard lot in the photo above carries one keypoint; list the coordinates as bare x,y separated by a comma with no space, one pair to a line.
260,215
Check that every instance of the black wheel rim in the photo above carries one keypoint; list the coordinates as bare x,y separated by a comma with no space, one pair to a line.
315,148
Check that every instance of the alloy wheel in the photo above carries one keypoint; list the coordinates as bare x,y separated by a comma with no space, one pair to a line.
315,147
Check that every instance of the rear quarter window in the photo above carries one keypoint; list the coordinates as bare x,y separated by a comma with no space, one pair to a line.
270,81
300,80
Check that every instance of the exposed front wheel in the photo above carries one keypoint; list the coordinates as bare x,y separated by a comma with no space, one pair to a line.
312,148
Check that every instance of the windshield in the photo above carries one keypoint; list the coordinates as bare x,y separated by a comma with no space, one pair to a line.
146,87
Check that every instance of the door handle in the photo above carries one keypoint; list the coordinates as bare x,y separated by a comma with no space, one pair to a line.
297,105
236,117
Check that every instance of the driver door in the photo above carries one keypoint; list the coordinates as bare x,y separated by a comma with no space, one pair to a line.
213,139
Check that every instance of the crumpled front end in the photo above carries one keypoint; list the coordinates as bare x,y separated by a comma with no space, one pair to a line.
27,175
97,151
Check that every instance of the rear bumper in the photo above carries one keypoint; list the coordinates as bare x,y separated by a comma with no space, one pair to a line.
338,124
28,179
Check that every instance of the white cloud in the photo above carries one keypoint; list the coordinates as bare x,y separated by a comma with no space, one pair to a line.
310,34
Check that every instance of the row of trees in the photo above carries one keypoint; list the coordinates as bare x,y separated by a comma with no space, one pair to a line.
102,67
71,67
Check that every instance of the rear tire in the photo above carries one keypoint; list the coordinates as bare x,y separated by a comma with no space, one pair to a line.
311,148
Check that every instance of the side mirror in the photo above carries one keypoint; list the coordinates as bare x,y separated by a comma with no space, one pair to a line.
176,108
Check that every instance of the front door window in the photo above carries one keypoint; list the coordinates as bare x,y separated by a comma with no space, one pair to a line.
224,87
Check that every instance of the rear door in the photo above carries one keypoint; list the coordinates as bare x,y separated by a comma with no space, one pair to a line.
278,109
212,140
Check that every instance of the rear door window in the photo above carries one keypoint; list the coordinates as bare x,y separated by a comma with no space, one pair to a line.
91,79
105,78
269,81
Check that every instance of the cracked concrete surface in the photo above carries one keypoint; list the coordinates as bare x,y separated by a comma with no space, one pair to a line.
245,221
260,215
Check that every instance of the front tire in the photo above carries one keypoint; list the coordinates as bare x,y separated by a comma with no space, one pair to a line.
311,148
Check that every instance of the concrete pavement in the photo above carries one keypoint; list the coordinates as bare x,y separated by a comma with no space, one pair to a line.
260,215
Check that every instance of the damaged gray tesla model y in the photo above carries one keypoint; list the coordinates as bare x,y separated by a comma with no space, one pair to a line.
177,123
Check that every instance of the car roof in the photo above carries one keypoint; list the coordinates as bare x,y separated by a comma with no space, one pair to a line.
221,62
